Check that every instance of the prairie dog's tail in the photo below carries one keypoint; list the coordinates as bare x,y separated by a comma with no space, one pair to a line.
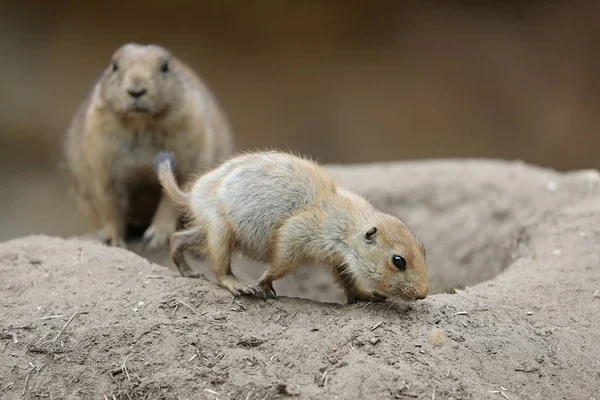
164,162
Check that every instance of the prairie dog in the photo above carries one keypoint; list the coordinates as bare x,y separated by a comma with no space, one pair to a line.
284,211
145,101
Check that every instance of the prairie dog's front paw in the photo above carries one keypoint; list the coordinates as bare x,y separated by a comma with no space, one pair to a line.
157,237
372,297
111,239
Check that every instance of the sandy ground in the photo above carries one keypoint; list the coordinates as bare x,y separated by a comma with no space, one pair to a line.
79,320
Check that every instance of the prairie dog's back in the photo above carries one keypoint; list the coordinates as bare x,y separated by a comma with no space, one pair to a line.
257,192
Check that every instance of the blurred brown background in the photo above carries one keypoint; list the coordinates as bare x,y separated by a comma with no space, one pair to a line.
344,81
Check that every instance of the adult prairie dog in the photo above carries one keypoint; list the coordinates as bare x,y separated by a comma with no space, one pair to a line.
145,101
284,210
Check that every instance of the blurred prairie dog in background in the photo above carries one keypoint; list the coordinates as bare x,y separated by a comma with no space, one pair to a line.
146,101
284,210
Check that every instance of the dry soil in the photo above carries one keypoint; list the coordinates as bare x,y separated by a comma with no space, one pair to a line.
514,308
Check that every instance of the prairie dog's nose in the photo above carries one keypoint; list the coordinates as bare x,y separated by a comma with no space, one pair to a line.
423,293
136,93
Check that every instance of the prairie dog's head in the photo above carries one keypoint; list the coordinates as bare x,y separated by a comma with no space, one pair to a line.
142,82
390,260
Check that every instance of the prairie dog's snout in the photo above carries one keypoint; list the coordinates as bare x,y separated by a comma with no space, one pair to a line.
422,294
144,81
284,211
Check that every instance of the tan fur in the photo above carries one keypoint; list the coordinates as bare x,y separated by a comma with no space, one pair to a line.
284,210
113,139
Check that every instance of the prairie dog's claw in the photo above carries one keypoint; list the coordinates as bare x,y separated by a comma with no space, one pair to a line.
266,290
248,291
236,287
373,298
377,298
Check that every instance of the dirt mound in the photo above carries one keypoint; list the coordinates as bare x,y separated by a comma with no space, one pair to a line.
80,320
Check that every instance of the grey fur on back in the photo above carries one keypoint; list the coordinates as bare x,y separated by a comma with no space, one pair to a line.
256,197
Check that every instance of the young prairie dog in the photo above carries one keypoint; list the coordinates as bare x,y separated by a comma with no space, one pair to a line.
284,211
146,101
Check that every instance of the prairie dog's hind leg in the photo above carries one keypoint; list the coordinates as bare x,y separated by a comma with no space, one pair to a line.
220,248
181,241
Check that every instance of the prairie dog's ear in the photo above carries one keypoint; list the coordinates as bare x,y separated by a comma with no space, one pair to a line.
371,234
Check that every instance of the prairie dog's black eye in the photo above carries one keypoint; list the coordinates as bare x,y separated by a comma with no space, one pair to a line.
115,66
399,262
164,67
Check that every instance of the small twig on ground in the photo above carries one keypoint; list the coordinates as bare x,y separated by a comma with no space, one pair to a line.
25,288
461,313
376,326
26,381
52,317
124,367
212,391
137,376
154,277
43,336
501,391
188,306
324,378
9,386
597,294
36,367
294,314
75,377
194,356
64,327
